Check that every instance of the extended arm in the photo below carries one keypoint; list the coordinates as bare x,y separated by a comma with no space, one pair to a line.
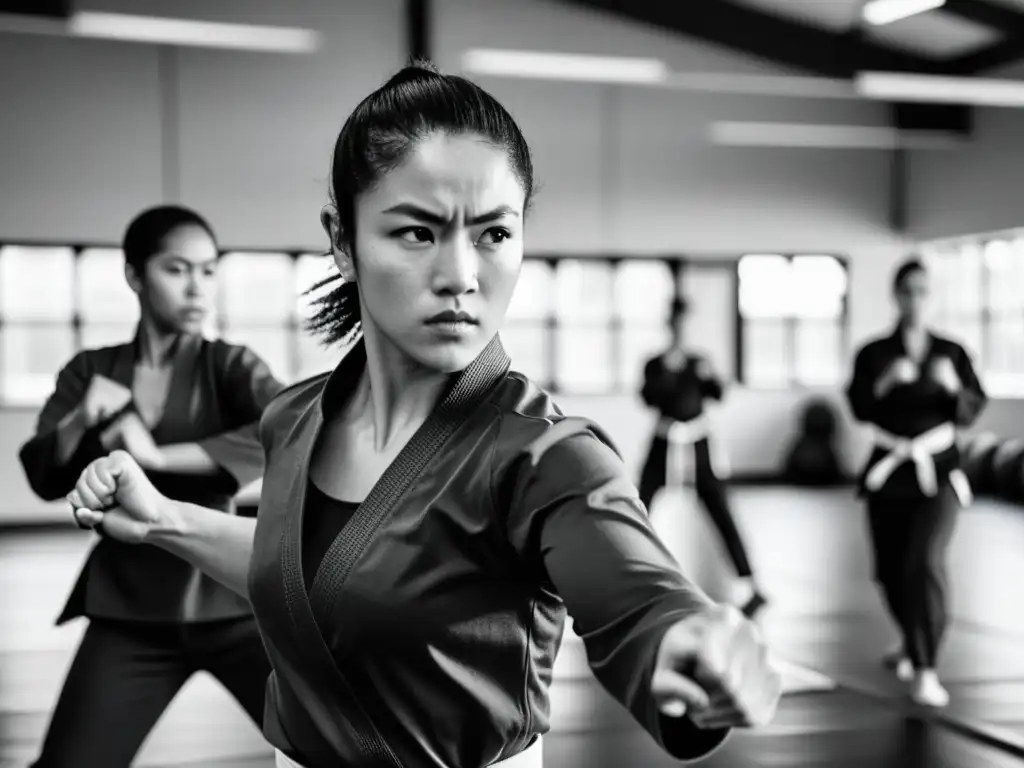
576,516
217,544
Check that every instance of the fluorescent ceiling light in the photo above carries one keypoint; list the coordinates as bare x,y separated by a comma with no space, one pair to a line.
204,34
797,87
809,136
879,12
932,89
563,66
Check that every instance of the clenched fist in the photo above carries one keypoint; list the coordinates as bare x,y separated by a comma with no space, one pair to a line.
944,373
114,492
713,666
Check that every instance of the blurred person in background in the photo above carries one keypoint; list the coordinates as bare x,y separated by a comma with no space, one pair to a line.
677,383
187,409
915,388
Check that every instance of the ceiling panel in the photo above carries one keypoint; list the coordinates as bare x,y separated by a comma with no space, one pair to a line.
935,34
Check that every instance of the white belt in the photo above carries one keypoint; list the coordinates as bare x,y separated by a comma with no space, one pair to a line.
921,450
681,436
531,757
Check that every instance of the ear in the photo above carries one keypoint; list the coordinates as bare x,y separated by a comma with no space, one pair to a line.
341,252
133,278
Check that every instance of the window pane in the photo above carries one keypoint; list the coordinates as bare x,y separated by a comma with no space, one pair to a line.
818,287
310,269
639,344
103,292
1005,346
765,286
314,357
534,293
106,334
527,344
273,344
583,289
256,288
643,291
584,361
766,353
965,289
820,358
36,283
30,358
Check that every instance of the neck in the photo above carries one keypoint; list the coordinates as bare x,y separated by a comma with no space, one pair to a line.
398,393
155,345
912,327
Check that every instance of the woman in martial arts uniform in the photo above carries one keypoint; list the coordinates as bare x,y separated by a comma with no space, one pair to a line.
676,383
915,388
428,516
188,410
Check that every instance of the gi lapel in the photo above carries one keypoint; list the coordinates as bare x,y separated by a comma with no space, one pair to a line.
463,395
465,392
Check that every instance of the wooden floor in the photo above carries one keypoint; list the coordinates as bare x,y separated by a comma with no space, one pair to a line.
825,615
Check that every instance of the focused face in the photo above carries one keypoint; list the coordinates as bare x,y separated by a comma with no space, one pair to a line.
178,283
438,250
912,296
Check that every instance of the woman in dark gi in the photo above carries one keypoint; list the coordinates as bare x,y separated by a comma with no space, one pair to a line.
915,388
188,411
676,383
428,516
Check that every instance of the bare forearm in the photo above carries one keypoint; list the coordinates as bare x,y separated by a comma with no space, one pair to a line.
216,543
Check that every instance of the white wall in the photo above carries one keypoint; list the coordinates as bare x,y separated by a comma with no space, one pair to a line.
623,169
976,189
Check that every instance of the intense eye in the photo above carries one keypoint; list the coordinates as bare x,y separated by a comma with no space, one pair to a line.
416,235
495,235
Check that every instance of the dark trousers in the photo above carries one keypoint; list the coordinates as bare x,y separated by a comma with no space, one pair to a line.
910,538
124,675
710,491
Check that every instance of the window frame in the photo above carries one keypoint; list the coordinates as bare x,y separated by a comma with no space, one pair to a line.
792,324
986,316
550,321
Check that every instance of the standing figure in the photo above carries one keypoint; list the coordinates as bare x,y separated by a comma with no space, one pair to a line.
188,410
676,383
428,517
914,388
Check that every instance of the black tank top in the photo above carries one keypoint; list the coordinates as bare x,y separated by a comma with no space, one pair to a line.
323,520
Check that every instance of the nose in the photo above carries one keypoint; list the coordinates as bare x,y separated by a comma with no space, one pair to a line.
456,266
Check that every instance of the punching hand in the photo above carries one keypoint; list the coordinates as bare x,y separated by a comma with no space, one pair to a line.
114,492
713,666
944,372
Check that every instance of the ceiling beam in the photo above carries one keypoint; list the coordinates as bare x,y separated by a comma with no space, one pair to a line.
998,17
993,57
418,23
782,41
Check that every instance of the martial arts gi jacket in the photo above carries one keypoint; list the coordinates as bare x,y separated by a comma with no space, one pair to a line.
216,396
921,410
429,632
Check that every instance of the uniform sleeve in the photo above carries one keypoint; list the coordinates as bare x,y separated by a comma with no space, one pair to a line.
49,479
710,386
248,386
971,400
651,392
860,392
574,513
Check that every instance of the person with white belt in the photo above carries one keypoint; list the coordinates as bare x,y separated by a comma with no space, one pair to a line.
915,388
677,383
428,516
